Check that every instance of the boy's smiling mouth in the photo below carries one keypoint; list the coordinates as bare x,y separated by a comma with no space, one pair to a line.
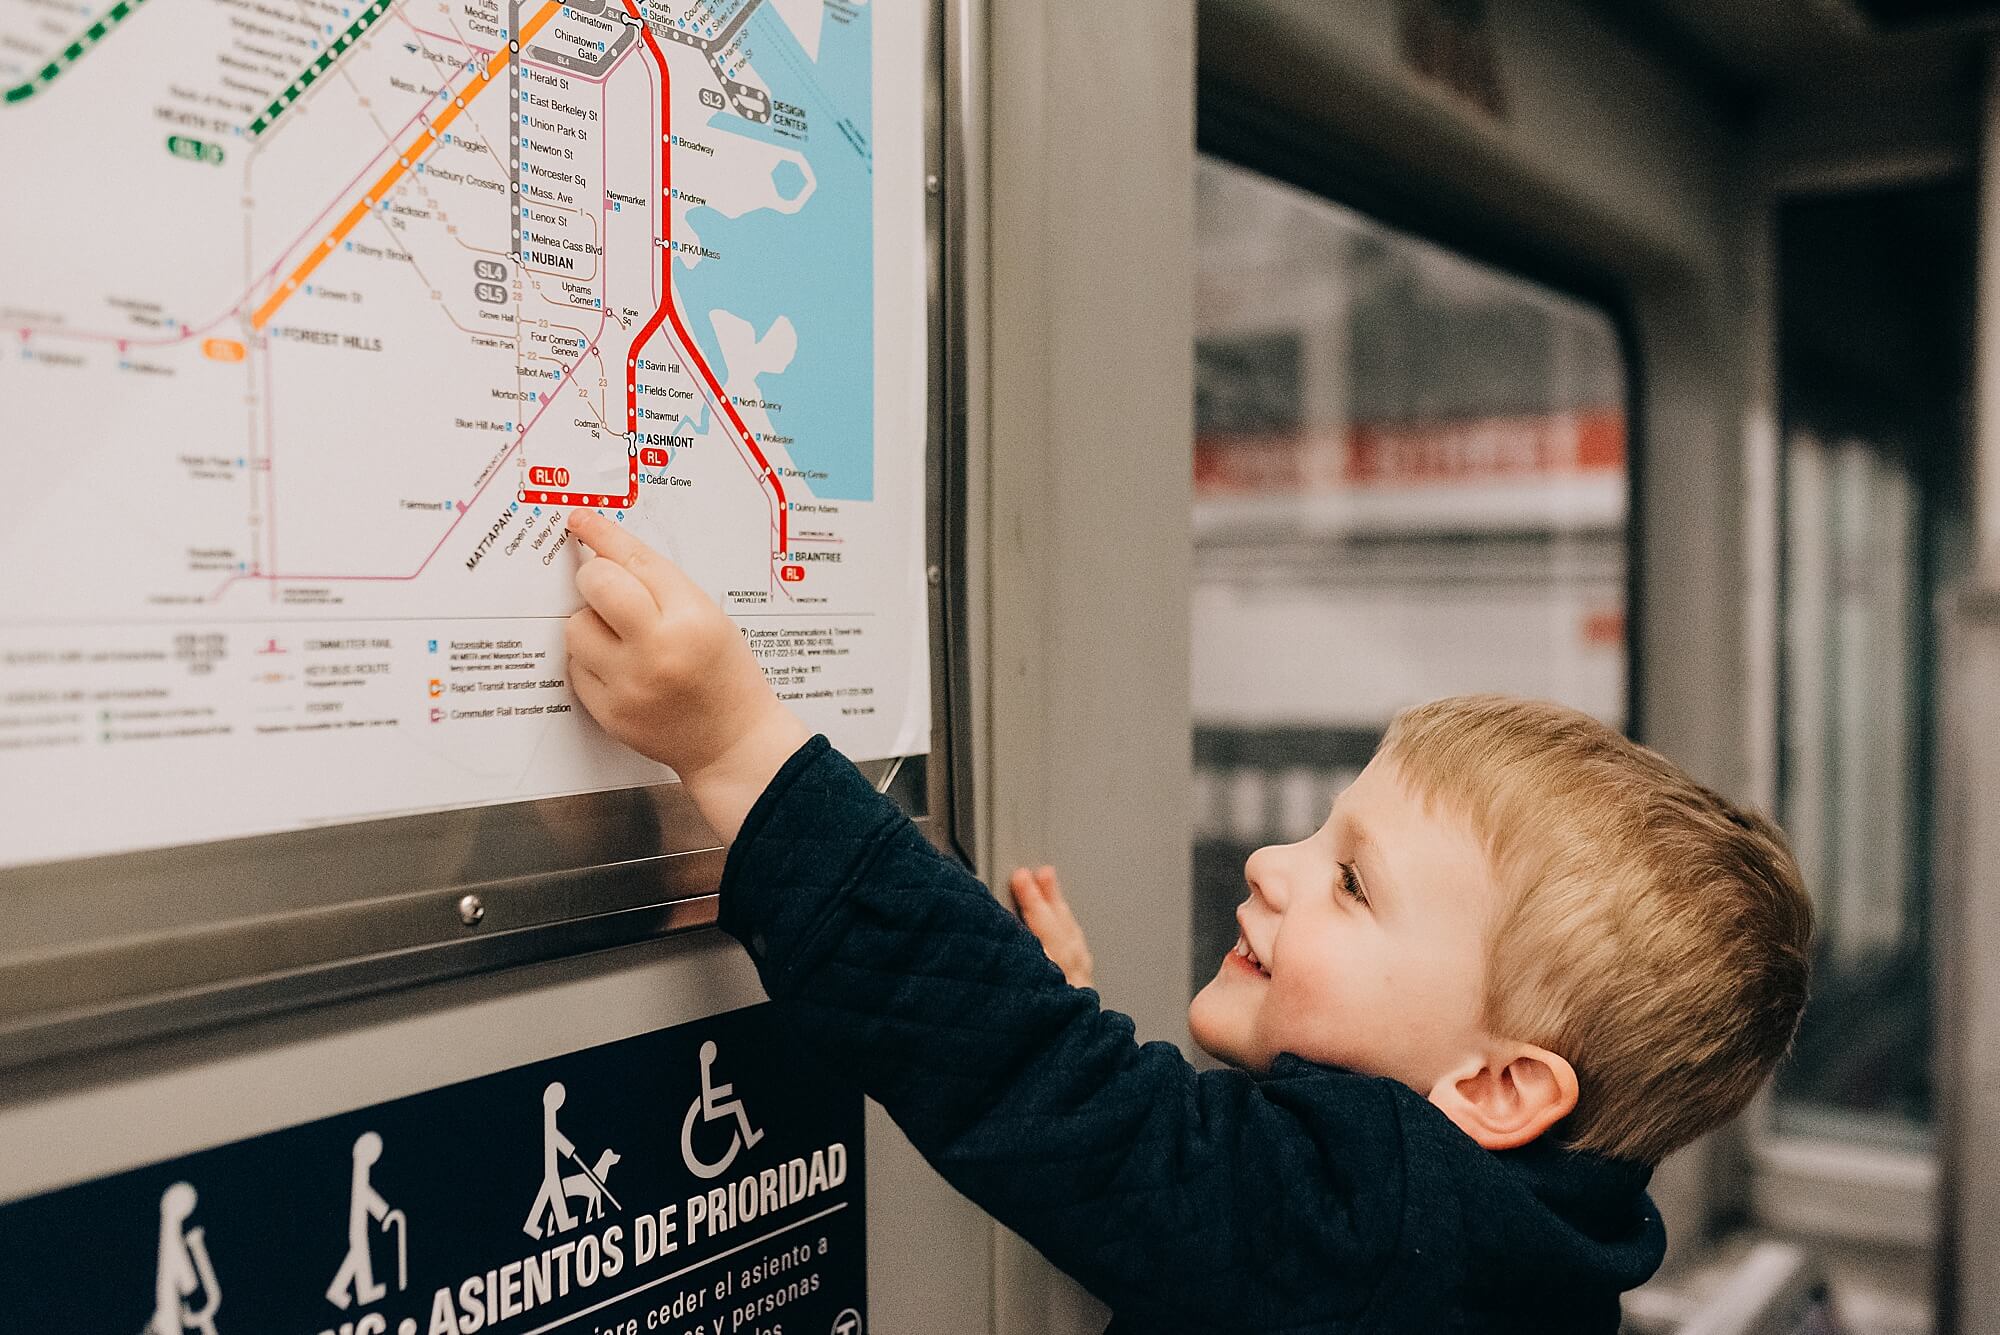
1243,957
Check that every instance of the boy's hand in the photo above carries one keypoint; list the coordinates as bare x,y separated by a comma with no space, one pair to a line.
1039,898
666,672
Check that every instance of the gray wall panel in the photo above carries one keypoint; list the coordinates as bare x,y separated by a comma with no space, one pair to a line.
1089,459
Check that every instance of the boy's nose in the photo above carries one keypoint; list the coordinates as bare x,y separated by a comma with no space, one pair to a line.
1265,872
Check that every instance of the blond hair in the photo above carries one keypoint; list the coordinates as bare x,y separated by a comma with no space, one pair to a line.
1649,931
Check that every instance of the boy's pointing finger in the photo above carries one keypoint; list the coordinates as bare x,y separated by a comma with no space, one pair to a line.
666,581
604,537
616,594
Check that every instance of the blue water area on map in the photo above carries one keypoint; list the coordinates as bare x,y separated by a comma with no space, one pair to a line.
816,266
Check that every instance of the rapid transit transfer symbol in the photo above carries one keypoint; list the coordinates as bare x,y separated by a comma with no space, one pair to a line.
717,1102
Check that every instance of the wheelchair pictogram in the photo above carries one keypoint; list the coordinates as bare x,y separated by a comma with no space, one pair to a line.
717,1103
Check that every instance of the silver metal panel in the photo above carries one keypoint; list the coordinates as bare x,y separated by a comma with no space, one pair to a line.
118,949
1086,538
1967,987
1967,984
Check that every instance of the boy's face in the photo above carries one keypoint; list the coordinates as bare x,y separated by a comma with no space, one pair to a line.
1371,939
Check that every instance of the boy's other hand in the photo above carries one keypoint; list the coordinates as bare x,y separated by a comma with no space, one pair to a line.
665,671
1038,897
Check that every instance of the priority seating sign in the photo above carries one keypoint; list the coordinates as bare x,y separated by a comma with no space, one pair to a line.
701,1180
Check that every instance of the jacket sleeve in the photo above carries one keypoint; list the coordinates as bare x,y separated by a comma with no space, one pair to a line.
1208,1199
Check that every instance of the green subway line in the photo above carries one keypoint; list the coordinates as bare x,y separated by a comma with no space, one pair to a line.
72,53
334,51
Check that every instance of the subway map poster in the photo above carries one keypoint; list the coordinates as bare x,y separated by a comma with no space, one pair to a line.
317,318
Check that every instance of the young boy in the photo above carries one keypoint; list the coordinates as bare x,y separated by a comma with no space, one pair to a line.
1522,961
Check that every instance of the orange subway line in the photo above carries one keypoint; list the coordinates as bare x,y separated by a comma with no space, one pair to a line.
409,154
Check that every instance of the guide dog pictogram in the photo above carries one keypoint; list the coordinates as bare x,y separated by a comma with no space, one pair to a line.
552,1200
589,1185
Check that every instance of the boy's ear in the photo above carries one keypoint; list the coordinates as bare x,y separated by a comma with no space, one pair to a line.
1507,1095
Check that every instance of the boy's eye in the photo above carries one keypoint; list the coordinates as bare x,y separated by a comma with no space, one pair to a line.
1350,881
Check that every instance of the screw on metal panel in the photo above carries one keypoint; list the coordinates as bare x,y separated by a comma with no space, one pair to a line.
470,910
935,574
932,184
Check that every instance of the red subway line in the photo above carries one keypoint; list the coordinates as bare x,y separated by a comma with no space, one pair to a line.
667,307
669,313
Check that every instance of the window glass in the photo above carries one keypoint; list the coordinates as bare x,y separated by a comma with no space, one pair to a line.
1875,333
1855,649
1410,481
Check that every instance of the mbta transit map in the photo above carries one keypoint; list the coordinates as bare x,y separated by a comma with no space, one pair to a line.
317,316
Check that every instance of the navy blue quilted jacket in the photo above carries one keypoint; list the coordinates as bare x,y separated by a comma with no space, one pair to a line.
1312,1199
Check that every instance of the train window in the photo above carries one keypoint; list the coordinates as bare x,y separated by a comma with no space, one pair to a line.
1850,728
1410,481
1875,324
